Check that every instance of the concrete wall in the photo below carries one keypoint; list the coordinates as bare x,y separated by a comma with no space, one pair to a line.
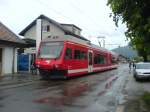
7,60
15,60
31,33
1,60
54,31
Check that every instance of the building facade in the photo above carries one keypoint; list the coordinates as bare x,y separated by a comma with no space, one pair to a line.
43,27
9,43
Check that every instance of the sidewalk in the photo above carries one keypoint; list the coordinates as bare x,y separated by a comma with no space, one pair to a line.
17,78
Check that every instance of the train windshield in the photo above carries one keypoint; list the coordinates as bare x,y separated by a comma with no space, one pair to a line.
51,49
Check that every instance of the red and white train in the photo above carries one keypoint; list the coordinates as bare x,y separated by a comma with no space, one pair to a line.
67,56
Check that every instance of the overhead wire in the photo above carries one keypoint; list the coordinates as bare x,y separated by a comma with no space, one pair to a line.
57,12
79,10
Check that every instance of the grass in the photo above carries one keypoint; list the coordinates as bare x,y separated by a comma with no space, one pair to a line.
140,104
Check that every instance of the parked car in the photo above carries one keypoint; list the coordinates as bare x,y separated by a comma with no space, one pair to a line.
142,71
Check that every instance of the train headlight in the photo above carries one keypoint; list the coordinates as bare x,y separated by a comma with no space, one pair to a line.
48,61
57,66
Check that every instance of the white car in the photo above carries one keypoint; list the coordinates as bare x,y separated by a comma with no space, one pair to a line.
142,71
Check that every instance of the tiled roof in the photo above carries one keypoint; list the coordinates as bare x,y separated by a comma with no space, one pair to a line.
7,35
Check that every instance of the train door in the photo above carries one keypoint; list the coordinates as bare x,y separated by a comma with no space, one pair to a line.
90,61
0,61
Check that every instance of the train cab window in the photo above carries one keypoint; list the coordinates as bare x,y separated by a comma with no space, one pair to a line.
68,54
76,54
83,55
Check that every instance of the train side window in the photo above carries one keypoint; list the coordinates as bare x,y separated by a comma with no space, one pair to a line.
102,59
83,55
99,59
76,54
68,54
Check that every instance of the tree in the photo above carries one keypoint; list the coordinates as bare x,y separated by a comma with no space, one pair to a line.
135,14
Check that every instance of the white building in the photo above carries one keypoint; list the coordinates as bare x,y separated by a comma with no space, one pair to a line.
43,27
9,42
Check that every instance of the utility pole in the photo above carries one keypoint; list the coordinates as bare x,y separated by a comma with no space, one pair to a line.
102,39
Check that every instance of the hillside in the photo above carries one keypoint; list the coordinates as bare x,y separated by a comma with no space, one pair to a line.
126,51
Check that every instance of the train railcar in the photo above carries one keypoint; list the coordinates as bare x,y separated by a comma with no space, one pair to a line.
63,57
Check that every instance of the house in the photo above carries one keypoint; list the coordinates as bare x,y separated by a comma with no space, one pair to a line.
43,27
9,42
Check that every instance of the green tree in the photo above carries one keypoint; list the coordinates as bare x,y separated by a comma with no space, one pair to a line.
135,14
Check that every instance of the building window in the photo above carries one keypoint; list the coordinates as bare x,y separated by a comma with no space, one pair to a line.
68,54
46,28
76,54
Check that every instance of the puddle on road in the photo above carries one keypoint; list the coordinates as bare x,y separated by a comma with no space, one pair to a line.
66,97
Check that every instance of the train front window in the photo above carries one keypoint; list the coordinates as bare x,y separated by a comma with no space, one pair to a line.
51,49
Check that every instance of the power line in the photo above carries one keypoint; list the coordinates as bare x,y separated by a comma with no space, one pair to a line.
50,8
59,13
68,18
82,12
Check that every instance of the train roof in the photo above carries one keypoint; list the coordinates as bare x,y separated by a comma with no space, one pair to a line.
100,48
76,40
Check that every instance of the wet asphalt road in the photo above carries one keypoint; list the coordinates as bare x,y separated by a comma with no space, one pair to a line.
99,92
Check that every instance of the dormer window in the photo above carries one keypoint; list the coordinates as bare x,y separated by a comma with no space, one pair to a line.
46,28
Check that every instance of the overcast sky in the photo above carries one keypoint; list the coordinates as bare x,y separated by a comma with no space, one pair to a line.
92,16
